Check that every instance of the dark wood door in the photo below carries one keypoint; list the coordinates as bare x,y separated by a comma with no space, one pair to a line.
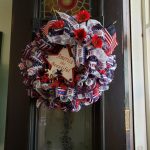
17,121
108,125
114,99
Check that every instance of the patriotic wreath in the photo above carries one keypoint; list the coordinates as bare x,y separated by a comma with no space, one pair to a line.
69,64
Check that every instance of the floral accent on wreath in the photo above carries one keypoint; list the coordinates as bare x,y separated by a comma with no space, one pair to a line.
92,64
83,16
79,34
97,41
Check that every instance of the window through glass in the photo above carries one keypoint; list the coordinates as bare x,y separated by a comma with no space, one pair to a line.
48,7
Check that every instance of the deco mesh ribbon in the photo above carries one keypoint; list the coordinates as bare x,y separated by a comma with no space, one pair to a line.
91,46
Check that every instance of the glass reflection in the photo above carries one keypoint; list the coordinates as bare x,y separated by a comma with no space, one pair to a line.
59,130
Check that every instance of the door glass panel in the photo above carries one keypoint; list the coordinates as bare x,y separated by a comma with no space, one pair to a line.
48,7
58,130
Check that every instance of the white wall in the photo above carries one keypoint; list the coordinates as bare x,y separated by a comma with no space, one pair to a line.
138,76
5,27
146,50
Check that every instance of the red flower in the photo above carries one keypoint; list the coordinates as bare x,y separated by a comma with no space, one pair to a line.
102,71
96,41
83,16
80,34
58,24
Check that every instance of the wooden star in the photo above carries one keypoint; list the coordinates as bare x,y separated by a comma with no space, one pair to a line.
62,63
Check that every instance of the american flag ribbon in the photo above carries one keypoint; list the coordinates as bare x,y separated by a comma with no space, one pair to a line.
46,28
69,19
80,55
60,92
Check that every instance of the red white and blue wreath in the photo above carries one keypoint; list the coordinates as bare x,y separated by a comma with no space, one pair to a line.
69,64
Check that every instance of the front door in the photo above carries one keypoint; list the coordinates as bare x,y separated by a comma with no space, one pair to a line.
97,127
